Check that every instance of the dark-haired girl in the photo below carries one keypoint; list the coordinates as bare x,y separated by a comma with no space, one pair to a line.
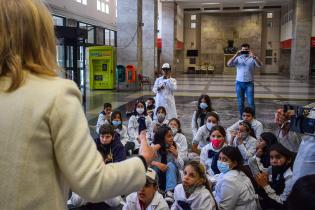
168,161
195,191
245,141
138,122
179,137
117,122
234,189
210,153
202,137
276,183
199,115
261,160
160,119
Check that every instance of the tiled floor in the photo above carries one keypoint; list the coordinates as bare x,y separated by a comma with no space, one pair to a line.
271,92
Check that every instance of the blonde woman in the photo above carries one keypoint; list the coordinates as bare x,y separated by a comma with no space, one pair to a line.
46,145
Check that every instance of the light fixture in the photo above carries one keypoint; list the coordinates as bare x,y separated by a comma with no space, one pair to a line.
255,2
210,3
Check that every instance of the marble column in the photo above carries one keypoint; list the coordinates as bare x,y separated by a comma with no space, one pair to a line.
168,32
301,39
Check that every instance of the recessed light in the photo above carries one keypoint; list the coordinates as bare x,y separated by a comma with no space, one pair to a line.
254,2
211,3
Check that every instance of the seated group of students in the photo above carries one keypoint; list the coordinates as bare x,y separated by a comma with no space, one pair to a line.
240,168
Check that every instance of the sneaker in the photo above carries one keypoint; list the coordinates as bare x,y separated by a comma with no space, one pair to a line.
169,197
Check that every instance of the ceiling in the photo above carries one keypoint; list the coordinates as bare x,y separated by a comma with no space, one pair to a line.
224,5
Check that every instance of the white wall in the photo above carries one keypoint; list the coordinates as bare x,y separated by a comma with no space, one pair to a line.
85,13
180,24
159,35
286,28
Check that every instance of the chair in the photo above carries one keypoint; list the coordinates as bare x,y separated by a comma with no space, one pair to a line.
198,69
210,69
144,80
204,69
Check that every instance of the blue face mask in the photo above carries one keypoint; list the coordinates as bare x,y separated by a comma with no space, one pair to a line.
116,123
209,125
203,105
223,166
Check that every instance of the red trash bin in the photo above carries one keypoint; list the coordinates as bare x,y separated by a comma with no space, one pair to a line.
131,73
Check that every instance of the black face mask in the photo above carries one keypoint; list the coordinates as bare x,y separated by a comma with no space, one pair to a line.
245,52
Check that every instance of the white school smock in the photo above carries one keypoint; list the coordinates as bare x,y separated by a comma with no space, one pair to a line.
101,120
133,126
287,189
78,201
256,126
158,202
201,198
247,149
205,160
165,97
234,191
202,136
181,142
123,132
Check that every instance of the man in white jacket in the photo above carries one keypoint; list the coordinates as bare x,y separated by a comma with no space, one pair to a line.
164,88
148,198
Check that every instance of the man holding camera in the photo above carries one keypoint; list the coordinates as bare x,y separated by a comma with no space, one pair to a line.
245,62
164,88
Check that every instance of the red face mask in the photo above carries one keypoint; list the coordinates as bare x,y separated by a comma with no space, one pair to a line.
216,143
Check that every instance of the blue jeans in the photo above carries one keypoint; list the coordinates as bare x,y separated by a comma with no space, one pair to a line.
171,176
242,89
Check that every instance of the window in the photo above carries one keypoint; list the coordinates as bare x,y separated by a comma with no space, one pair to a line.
58,21
112,38
103,6
193,17
84,2
269,15
91,32
193,25
107,37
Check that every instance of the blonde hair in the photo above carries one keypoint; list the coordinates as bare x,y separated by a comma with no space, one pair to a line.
27,40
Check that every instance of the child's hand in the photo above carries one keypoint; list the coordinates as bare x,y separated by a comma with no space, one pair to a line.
239,137
162,167
262,179
173,150
259,152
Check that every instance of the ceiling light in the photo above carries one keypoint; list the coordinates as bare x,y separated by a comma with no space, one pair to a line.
211,3
254,2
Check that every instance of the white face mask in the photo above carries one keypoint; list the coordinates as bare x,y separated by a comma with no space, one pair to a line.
174,131
140,110
210,125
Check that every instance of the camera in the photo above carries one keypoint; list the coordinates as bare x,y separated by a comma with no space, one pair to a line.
302,118
245,52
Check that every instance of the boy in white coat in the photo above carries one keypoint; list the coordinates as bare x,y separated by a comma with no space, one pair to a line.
148,198
164,88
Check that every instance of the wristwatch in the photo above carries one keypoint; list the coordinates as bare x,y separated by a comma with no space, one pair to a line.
254,57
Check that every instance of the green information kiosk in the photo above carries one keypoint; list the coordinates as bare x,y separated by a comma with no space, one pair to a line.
102,62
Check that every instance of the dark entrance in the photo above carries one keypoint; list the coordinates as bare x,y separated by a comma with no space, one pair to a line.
71,55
